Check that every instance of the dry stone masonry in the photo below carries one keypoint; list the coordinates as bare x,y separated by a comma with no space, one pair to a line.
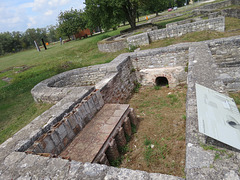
82,96
214,64
214,24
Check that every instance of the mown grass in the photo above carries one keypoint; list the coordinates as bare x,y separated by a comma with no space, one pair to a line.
17,107
159,143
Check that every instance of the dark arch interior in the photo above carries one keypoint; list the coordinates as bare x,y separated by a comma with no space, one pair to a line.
161,81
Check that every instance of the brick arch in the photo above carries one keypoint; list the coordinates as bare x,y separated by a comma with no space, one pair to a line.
161,81
168,76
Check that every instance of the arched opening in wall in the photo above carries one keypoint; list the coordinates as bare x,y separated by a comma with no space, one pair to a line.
161,81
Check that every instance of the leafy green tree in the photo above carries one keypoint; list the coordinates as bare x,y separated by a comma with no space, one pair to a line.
154,6
109,13
101,13
52,34
70,22
129,8
180,3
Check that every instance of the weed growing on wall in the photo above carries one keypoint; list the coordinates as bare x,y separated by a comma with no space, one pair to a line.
132,48
137,86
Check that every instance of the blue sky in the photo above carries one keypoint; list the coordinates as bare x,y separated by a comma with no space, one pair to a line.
19,15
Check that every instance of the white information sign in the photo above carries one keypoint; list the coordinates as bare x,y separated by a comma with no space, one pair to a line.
218,116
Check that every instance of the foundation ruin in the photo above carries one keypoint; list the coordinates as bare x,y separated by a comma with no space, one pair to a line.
213,64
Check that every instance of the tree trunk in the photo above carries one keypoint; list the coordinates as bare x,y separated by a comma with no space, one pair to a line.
156,13
131,13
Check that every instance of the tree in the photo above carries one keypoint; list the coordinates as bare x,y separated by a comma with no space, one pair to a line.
70,22
129,8
180,2
110,13
52,33
101,13
154,6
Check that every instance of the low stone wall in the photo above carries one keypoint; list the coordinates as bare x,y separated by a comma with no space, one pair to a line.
215,24
138,40
171,56
226,57
164,58
119,42
172,30
217,5
174,24
231,13
112,46
123,82
61,85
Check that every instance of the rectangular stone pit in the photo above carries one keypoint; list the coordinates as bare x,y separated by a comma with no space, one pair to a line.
90,133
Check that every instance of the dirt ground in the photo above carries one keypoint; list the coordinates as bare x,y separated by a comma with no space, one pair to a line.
159,143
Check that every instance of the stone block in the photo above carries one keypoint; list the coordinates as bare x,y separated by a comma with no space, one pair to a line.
92,107
133,117
81,112
79,119
96,102
138,40
72,119
48,145
70,132
104,160
37,149
112,151
55,137
127,126
120,138
61,130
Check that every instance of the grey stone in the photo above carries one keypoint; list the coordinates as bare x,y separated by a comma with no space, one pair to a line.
94,171
156,176
197,157
231,175
126,174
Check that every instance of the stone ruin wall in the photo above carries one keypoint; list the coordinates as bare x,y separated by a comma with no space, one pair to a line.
205,62
204,69
167,62
226,57
112,46
218,5
214,24
174,24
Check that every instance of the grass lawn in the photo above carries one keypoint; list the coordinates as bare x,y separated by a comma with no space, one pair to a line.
158,146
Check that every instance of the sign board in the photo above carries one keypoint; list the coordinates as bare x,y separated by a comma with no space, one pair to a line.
218,116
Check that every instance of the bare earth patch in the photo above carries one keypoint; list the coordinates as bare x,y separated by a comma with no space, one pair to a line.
159,143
